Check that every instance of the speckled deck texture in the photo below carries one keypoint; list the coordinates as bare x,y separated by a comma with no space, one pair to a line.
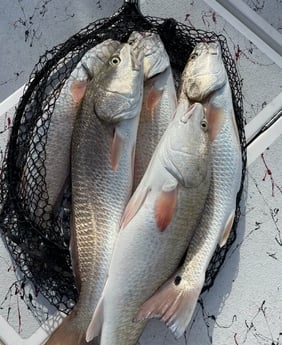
244,306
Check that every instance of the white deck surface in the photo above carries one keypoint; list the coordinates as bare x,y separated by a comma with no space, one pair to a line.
245,304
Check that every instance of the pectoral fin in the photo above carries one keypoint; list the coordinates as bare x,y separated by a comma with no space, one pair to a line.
133,206
78,88
153,98
116,149
133,160
96,322
165,207
215,118
158,84
173,303
227,229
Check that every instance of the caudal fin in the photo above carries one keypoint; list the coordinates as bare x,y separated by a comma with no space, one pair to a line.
173,303
68,333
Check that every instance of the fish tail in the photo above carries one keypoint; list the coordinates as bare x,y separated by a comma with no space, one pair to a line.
174,303
68,333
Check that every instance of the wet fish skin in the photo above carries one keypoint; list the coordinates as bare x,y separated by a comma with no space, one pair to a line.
219,210
58,146
154,232
204,73
156,59
100,190
159,100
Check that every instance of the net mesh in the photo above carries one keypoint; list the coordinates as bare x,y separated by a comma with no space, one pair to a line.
39,241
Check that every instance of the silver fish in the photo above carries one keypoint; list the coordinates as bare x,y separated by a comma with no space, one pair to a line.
159,100
58,146
204,80
156,226
102,162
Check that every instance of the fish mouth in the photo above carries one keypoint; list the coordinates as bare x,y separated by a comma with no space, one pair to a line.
136,43
209,72
153,44
150,41
137,55
156,60
155,57
212,48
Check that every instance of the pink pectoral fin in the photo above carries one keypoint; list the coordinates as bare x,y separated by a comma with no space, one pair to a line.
78,88
153,98
215,118
133,206
116,149
165,207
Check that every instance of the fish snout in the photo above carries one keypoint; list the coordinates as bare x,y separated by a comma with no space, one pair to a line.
214,48
206,48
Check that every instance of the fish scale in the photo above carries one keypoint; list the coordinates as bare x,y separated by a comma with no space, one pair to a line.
111,190
145,255
153,270
108,116
153,125
204,80
219,194
58,145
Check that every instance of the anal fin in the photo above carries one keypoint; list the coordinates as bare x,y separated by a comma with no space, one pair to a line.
133,206
95,326
174,303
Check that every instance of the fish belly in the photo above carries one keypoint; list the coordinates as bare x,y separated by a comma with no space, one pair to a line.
143,259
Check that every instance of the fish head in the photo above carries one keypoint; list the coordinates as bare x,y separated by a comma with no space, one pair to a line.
156,59
204,72
101,54
186,152
119,85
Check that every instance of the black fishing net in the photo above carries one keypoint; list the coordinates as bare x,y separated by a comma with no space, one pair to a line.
39,240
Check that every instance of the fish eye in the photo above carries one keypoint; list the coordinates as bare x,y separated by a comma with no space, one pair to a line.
193,56
204,125
115,60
